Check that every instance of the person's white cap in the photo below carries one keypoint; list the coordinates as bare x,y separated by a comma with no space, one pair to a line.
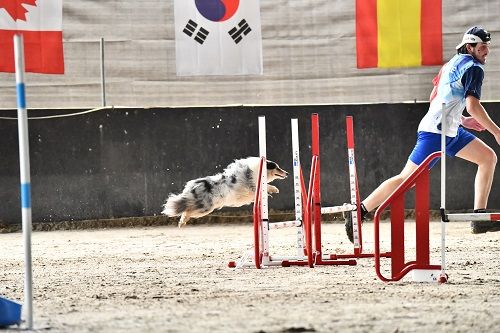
474,35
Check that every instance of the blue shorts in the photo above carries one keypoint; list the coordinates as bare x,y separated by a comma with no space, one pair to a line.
428,143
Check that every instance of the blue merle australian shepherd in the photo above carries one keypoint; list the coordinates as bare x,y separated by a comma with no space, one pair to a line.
234,187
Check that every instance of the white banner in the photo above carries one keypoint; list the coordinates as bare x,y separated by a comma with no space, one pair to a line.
218,37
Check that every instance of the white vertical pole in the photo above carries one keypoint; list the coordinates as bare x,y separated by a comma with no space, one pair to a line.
24,162
263,187
354,197
297,186
353,185
103,74
444,128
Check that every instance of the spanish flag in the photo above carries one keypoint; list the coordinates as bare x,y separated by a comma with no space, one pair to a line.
398,33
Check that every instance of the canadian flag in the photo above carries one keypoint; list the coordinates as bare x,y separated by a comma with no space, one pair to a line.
40,23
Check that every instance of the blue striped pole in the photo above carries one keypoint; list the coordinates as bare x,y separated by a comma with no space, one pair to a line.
24,163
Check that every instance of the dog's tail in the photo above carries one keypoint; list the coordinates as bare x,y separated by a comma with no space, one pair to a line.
176,204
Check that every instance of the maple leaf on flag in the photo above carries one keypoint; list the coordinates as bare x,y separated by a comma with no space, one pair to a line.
16,9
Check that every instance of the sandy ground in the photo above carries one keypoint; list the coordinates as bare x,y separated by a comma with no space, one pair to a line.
165,279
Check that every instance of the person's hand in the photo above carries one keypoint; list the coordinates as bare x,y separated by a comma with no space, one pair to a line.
473,124
497,137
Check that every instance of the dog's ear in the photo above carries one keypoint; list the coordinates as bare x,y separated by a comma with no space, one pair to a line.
271,165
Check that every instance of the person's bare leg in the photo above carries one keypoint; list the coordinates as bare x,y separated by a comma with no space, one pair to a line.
481,154
385,189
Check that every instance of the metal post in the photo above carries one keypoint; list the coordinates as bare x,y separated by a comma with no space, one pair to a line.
103,75
444,128
24,163
297,186
263,200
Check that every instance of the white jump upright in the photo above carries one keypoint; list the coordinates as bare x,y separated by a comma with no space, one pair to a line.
263,189
444,128
24,162
297,186
260,255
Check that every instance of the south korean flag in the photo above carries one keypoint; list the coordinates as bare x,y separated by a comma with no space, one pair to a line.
218,37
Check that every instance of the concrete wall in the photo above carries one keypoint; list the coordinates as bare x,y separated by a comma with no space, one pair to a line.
124,162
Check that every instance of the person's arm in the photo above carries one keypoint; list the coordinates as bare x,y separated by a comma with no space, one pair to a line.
471,123
472,81
477,111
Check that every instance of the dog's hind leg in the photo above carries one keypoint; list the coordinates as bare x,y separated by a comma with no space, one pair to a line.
184,218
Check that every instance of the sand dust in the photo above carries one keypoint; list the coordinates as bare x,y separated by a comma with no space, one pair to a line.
165,279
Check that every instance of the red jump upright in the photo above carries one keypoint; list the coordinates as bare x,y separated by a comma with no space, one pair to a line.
353,208
313,207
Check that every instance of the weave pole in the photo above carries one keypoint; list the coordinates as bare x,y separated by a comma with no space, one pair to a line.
24,163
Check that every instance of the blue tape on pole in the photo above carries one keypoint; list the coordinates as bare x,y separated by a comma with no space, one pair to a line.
21,95
26,195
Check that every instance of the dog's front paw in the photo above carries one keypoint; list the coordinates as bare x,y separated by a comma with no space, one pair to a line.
272,189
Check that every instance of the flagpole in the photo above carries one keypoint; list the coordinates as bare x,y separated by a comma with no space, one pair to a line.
103,75
24,163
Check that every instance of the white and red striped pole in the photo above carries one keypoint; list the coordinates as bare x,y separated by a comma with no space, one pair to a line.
353,185
24,163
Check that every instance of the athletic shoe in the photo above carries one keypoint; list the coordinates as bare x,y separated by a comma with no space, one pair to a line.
481,227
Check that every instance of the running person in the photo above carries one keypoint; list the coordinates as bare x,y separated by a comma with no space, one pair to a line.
458,85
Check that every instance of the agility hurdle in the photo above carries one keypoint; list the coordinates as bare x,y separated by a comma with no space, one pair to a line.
314,209
421,268
352,208
260,256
